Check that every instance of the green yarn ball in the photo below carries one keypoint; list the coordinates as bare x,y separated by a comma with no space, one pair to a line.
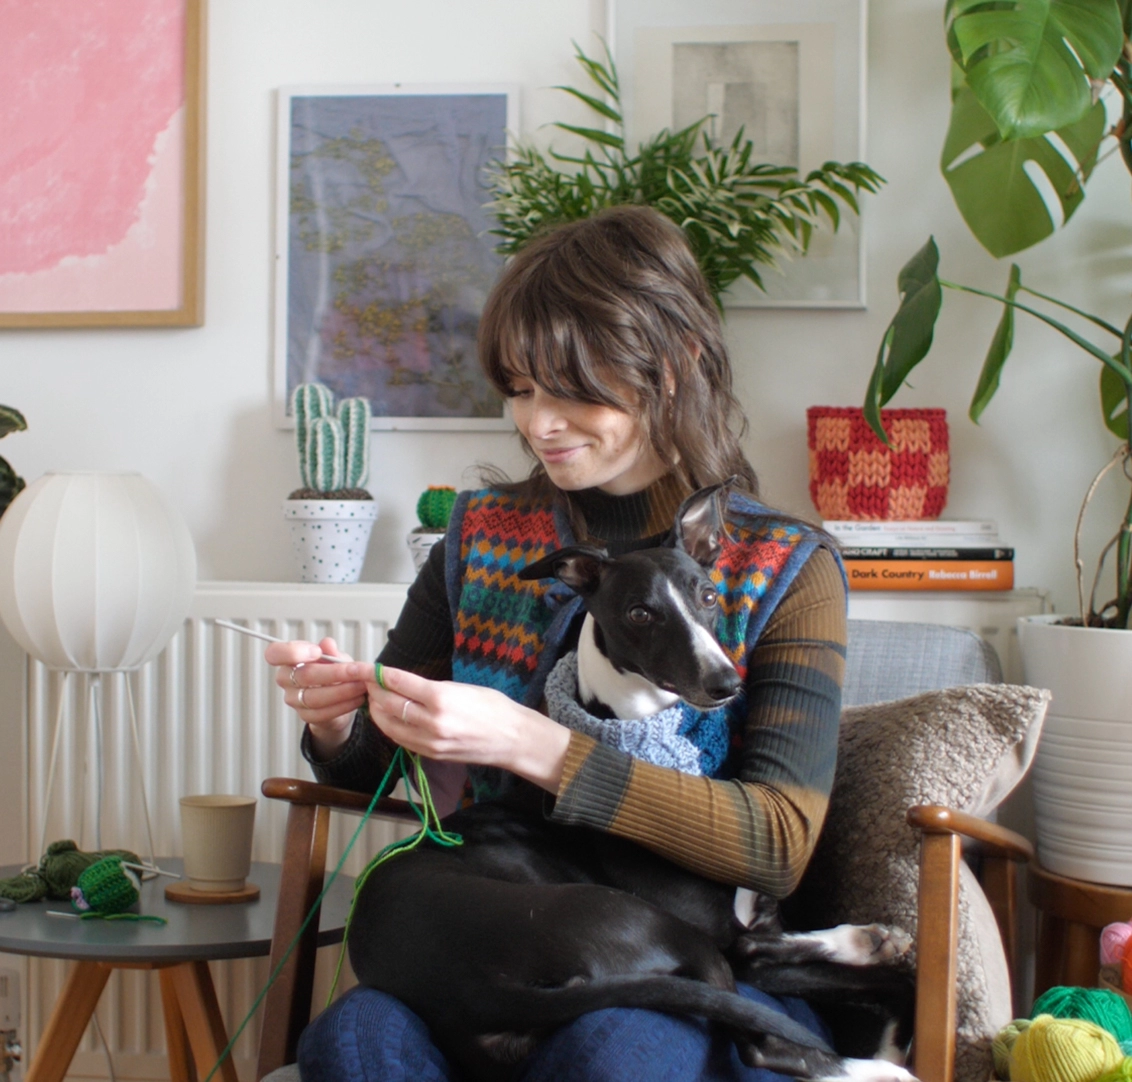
1098,1005
1063,1050
434,508
105,887
1004,1042
1121,1073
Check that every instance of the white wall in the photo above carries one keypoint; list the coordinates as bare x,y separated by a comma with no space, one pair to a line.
190,408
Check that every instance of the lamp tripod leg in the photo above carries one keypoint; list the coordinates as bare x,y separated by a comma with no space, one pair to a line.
51,769
141,768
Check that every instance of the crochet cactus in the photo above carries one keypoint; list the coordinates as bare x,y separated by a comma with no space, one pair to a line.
333,445
434,508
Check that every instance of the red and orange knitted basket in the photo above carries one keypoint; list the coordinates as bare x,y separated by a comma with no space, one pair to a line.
854,476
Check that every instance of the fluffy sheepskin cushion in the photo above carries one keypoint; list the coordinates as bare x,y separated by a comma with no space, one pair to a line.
964,747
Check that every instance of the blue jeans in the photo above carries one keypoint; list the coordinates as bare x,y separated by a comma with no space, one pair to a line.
367,1036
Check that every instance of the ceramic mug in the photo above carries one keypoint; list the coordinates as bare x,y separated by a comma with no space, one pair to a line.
216,833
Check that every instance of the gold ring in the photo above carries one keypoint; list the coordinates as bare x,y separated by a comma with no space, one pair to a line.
295,669
405,710
302,698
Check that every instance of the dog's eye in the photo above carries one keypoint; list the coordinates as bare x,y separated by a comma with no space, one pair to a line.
639,614
708,597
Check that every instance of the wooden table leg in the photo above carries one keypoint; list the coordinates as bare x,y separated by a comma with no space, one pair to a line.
196,997
1050,953
181,1066
60,1039
1082,955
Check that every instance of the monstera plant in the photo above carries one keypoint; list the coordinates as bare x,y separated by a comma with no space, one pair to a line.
1034,85
1030,80
11,420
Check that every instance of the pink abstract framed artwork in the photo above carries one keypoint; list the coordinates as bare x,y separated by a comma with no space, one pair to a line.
102,163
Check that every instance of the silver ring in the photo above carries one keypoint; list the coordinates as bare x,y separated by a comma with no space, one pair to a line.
405,710
295,669
302,698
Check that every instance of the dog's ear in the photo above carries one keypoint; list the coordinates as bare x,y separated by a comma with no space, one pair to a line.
579,566
699,528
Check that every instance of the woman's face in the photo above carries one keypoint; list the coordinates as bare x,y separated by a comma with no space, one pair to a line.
583,445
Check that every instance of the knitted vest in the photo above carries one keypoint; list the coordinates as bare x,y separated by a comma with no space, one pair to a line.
508,633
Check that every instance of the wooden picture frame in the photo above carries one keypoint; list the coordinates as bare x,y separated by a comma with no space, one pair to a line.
791,73
102,193
383,256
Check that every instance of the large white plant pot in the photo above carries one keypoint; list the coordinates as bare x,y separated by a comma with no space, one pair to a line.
330,537
1083,768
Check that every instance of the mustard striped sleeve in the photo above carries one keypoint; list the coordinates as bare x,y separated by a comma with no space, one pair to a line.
759,829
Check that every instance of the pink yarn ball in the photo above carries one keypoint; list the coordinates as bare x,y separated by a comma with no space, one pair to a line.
1114,938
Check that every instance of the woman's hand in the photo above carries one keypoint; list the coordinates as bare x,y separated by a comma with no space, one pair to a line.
466,724
325,694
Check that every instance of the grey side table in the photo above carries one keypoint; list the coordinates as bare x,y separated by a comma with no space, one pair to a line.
180,950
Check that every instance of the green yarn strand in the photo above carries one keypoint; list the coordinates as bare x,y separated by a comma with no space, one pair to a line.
397,762
430,829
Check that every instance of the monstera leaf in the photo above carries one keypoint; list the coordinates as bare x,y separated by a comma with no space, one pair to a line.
991,179
909,335
1029,62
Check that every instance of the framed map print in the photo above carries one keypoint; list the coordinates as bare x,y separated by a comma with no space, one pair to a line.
383,258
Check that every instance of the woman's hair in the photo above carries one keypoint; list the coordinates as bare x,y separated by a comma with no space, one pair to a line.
614,310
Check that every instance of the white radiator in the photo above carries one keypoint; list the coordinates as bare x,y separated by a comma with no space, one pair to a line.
211,720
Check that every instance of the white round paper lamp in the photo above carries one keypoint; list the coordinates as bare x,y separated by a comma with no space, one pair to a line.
97,571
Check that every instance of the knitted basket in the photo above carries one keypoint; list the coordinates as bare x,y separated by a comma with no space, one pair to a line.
855,476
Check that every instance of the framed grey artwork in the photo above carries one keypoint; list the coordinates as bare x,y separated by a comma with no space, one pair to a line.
790,74
383,260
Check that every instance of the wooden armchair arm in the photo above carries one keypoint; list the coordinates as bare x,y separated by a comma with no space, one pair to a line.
994,841
942,830
313,794
288,1004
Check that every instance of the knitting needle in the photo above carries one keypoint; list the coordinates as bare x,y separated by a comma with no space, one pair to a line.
264,636
150,868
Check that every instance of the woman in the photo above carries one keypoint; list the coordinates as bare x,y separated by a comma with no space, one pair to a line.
605,340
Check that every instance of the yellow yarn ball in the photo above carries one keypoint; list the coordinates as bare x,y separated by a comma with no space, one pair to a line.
1063,1050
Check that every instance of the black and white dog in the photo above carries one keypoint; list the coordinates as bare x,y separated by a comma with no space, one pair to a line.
530,924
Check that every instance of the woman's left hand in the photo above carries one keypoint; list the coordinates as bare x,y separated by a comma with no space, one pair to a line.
463,723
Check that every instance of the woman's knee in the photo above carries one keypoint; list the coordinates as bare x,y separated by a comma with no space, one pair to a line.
368,1036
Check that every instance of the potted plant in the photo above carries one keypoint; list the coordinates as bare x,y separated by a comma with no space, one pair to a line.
331,514
739,214
434,509
11,420
1028,71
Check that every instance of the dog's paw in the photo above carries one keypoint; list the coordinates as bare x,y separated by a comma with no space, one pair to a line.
865,944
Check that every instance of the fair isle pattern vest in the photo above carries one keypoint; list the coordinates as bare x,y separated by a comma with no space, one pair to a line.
508,633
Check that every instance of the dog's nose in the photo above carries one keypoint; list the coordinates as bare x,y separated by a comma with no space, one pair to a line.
723,685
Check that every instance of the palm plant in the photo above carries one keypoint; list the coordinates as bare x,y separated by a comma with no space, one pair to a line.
739,214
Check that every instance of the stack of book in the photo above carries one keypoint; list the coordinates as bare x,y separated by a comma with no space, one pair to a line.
929,554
